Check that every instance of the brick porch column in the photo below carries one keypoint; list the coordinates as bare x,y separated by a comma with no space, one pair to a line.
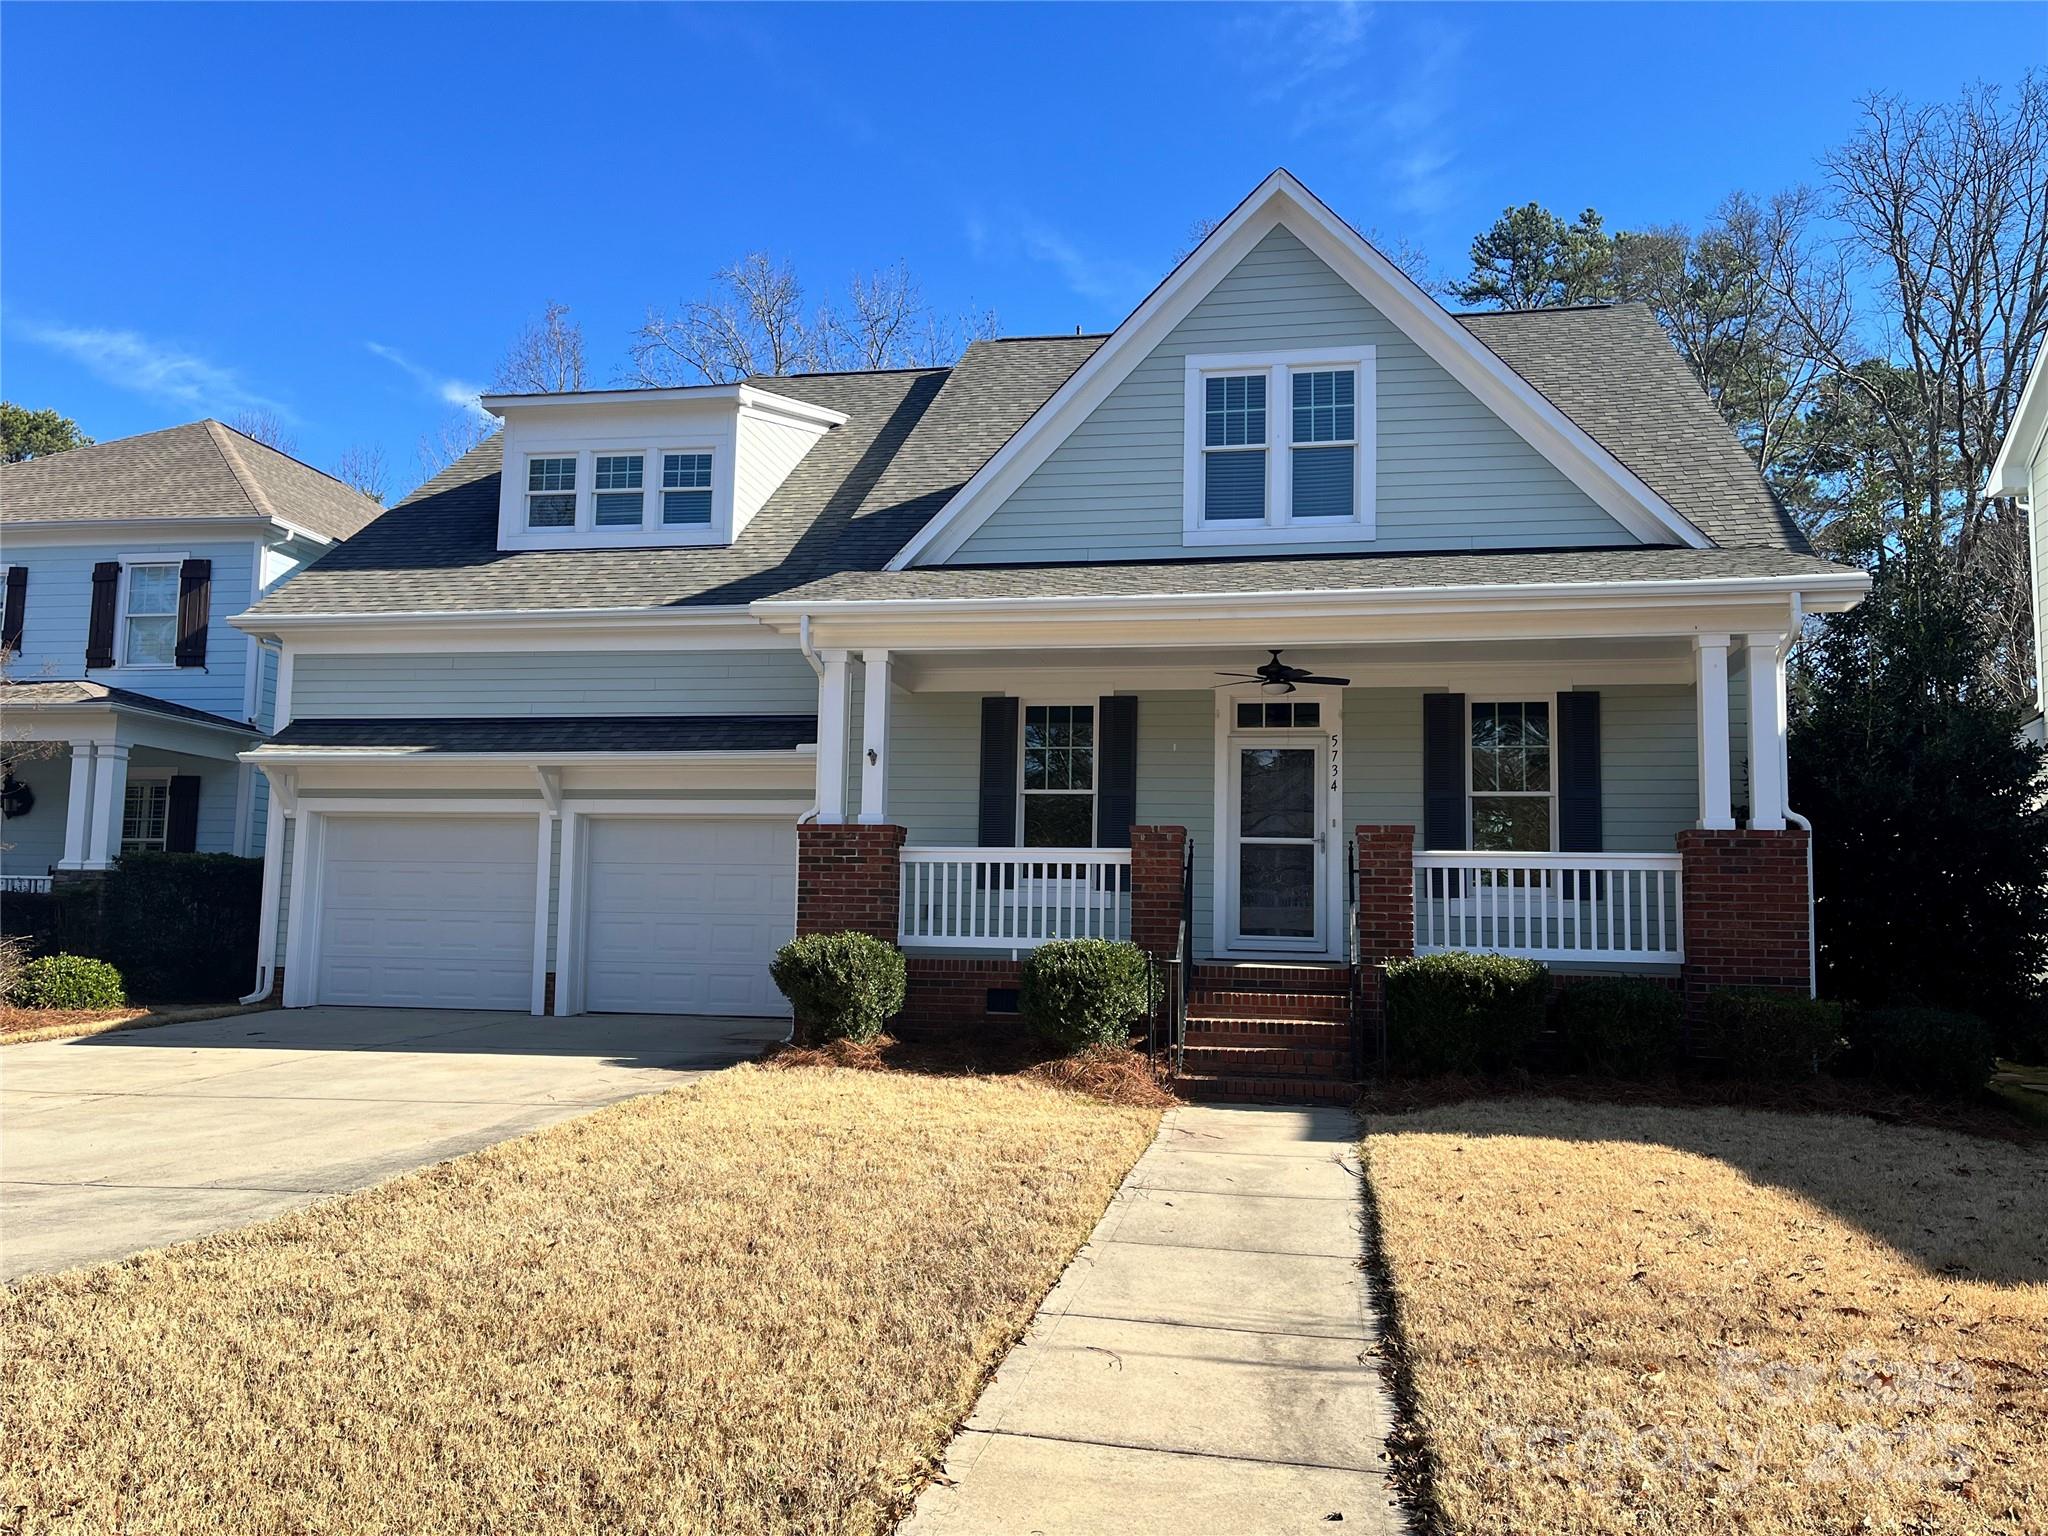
1745,911
1386,911
1156,857
848,877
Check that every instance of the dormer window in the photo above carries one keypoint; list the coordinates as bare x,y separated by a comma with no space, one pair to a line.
1311,481
620,499
686,489
551,493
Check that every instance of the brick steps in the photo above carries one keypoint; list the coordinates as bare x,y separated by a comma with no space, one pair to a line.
1268,1034
1300,1034
1317,1007
1234,1088
1264,1061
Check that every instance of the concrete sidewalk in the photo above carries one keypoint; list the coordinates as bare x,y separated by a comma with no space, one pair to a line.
1207,1366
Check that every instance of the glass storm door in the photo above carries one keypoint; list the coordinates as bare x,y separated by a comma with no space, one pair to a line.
1279,852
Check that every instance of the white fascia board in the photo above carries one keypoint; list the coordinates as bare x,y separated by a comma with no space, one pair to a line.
132,530
1281,199
768,402
553,620
2008,475
277,756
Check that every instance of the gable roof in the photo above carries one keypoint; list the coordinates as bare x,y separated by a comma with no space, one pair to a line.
1282,200
911,438
200,470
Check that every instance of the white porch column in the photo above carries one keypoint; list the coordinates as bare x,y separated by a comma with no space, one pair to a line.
78,809
833,703
1710,696
1766,733
109,796
874,733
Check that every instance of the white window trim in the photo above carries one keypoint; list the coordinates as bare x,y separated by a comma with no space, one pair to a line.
1024,707
128,563
1532,697
585,533
1279,525
603,529
139,778
688,532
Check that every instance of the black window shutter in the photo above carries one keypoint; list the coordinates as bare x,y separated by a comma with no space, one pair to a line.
998,816
1578,772
181,815
16,614
99,634
1443,771
195,597
1116,769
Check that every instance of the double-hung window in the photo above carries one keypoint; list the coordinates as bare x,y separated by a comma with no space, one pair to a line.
618,498
1234,448
150,616
1513,809
1279,447
686,490
1059,776
1324,471
551,492
145,816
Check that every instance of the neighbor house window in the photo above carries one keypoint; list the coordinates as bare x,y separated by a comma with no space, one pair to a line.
551,492
1059,776
686,489
1511,778
1325,437
618,497
1234,448
145,812
151,616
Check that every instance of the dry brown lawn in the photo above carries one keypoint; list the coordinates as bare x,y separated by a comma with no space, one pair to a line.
25,1026
1638,1319
757,1304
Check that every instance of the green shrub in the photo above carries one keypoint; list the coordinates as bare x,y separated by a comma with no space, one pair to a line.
1084,992
1464,1012
182,926
1771,1035
1927,1049
69,981
1619,1026
843,986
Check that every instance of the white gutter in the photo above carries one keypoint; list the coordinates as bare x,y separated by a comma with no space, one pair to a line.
655,617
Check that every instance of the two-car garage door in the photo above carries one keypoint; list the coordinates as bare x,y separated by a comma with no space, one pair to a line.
676,914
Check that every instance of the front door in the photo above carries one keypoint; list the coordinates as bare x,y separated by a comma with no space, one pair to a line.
1277,845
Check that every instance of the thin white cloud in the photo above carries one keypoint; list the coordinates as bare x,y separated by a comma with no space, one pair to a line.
129,360
457,392
1105,279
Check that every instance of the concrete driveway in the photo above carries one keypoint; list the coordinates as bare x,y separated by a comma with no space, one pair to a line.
126,1141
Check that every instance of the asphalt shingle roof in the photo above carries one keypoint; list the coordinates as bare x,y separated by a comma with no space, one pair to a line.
529,733
47,694
200,470
913,438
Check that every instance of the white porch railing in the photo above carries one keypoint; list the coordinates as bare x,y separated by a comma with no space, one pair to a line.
24,885
1013,898
1551,906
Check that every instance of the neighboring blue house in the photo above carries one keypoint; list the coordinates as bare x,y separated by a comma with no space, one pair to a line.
127,694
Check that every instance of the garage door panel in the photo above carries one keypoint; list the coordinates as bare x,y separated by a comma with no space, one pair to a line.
426,912
683,914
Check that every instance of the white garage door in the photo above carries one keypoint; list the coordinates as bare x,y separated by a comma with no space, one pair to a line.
420,912
683,914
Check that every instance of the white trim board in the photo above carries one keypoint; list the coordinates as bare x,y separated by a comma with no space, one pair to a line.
1282,200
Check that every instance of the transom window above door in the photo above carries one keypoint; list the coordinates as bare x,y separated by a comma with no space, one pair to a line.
1313,482
1512,786
1278,714
1058,781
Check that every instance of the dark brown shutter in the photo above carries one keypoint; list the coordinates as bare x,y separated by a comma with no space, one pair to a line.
1116,769
17,608
181,815
1443,771
195,598
998,809
1578,772
106,596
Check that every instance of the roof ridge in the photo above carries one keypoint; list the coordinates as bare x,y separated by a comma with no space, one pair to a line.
232,457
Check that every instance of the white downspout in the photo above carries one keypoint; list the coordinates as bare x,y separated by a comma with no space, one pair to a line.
1785,778
810,654
273,873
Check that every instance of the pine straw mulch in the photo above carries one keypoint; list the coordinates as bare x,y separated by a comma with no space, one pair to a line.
1110,1074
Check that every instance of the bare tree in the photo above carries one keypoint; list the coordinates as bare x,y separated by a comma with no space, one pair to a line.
266,427
362,466
881,323
751,322
546,358
457,435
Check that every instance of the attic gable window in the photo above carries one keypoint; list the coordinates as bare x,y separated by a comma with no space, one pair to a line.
551,492
1313,480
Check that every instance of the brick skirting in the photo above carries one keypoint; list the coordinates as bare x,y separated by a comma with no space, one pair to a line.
849,879
1386,911
1746,911
945,992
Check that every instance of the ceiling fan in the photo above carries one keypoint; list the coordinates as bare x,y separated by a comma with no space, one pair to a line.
1276,676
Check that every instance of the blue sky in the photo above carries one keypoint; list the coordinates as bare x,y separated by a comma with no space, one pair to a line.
342,214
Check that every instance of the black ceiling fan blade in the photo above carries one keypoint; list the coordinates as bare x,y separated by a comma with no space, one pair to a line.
1333,682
